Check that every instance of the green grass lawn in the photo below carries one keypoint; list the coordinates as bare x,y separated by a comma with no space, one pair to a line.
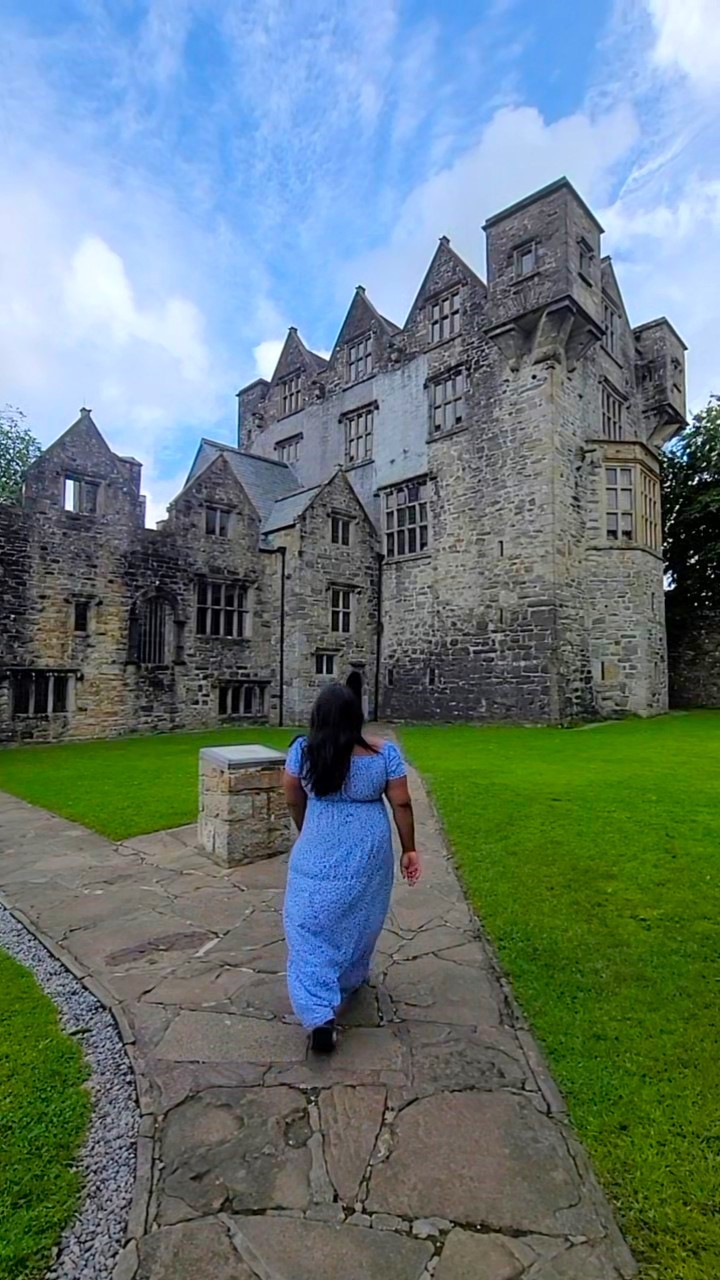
44,1110
593,859
126,786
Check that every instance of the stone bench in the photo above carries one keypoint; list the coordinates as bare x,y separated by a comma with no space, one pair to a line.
242,813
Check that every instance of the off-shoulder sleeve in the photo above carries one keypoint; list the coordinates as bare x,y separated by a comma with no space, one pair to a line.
294,759
396,767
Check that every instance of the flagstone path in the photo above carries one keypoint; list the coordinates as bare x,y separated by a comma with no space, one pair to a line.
433,1143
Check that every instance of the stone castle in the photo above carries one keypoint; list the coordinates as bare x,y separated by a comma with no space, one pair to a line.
459,516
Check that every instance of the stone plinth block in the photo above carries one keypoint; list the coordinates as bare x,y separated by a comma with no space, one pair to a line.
242,813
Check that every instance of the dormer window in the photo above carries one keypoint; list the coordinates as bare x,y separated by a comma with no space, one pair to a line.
291,394
81,495
526,259
217,522
360,358
445,317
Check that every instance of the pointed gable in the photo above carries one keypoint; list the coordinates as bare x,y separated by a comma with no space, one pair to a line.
362,317
446,271
262,480
84,447
295,357
610,286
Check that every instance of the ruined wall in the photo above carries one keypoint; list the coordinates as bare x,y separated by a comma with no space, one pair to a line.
694,657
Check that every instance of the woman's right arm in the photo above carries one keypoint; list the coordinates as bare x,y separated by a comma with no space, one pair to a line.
398,796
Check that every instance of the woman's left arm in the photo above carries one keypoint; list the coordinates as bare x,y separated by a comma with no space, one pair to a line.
295,798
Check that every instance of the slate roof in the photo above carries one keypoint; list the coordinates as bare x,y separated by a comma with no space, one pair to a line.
287,510
264,480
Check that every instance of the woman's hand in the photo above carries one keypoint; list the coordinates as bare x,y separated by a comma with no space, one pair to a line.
410,866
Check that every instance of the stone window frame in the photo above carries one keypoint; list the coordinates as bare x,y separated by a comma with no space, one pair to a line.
444,310
288,449
611,319
520,253
325,662
242,699
291,390
86,494
342,524
612,411
82,603
227,601
414,530
360,357
359,430
441,382
632,511
51,689
586,257
156,632
343,608
220,518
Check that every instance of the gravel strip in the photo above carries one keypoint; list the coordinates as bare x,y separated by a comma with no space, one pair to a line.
89,1248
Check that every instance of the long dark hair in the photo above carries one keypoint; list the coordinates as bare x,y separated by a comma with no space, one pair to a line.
336,728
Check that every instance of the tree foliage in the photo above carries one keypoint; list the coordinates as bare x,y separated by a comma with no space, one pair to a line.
691,512
18,448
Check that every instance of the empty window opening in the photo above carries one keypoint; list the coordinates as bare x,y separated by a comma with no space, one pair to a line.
81,619
360,358
217,522
39,693
391,676
81,495
406,520
586,258
611,320
325,664
448,401
501,548
432,677
445,316
359,435
340,530
341,602
526,259
222,609
241,698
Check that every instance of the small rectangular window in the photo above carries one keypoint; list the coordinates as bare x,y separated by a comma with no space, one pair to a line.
448,402
406,520
526,259
501,548
359,435
360,358
291,394
586,257
325,664
289,450
431,677
445,317
217,522
391,676
82,616
221,609
611,319
341,601
612,414
81,495
340,531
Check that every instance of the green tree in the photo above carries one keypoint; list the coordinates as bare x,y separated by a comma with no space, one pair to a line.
691,513
18,448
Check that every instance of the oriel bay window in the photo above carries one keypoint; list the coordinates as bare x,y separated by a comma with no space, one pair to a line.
632,506
406,519
222,609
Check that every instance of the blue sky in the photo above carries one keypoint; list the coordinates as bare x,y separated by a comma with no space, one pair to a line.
183,179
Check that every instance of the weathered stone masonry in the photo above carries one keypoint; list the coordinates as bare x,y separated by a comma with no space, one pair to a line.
461,514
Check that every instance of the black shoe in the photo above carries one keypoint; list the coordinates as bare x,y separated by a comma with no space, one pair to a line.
323,1039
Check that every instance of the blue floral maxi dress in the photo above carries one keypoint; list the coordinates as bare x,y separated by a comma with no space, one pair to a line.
339,884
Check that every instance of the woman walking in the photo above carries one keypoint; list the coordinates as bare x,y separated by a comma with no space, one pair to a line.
341,868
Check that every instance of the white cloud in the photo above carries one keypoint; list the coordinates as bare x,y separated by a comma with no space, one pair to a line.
688,39
517,153
267,355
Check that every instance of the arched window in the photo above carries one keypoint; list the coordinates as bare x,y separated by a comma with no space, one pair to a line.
155,634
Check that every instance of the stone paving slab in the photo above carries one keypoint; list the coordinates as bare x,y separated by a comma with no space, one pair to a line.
432,1144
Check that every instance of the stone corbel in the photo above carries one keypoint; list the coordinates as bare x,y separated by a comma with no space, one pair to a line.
559,333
